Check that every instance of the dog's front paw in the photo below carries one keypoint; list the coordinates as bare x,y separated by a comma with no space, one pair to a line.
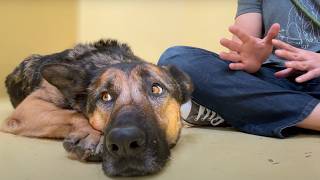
87,146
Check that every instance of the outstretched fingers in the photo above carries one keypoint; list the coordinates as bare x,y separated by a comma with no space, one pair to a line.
288,55
284,73
239,33
237,66
231,45
230,56
272,33
298,65
308,76
282,45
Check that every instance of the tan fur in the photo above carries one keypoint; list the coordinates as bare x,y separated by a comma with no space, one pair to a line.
38,116
99,119
154,69
170,120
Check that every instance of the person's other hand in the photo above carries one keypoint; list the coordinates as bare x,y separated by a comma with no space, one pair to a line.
251,52
301,60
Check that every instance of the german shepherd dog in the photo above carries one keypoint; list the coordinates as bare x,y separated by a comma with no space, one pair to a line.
106,103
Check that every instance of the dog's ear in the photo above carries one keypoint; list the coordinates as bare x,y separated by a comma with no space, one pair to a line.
65,77
185,86
71,80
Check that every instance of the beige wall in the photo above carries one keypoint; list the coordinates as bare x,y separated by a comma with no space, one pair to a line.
34,26
148,26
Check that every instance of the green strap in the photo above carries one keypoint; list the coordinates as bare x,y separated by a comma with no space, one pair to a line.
306,12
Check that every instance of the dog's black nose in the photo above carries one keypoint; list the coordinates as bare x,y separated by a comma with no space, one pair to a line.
126,141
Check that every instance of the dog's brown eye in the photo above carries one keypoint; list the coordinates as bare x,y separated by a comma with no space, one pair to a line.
157,89
106,97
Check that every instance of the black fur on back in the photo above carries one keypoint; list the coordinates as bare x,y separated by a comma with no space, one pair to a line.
92,56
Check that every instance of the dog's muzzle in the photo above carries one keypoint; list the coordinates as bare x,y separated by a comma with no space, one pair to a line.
134,144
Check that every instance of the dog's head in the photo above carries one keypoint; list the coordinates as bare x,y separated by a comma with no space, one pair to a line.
134,103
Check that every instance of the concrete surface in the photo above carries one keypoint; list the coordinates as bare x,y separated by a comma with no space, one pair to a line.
220,154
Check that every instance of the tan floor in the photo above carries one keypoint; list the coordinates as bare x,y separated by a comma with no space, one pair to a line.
219,154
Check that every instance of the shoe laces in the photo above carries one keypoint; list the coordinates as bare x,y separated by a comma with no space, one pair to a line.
209,115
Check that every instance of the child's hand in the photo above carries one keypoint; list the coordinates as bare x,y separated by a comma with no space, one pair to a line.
298,60
251,52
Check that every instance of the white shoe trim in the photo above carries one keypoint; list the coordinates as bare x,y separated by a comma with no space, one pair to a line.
200,112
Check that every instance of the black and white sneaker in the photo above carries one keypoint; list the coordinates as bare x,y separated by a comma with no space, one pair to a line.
201,116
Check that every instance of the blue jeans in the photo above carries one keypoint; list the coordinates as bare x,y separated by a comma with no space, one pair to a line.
256,103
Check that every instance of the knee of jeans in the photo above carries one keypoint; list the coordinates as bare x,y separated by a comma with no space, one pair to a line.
168,55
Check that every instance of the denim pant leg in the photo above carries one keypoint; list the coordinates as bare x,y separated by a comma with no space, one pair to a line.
254,103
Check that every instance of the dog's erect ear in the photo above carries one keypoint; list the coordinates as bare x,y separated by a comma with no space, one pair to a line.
185,86
71,80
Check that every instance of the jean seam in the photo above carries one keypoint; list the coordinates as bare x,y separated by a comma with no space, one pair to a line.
304,113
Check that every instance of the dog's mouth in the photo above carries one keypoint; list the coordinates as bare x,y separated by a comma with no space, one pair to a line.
147,164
